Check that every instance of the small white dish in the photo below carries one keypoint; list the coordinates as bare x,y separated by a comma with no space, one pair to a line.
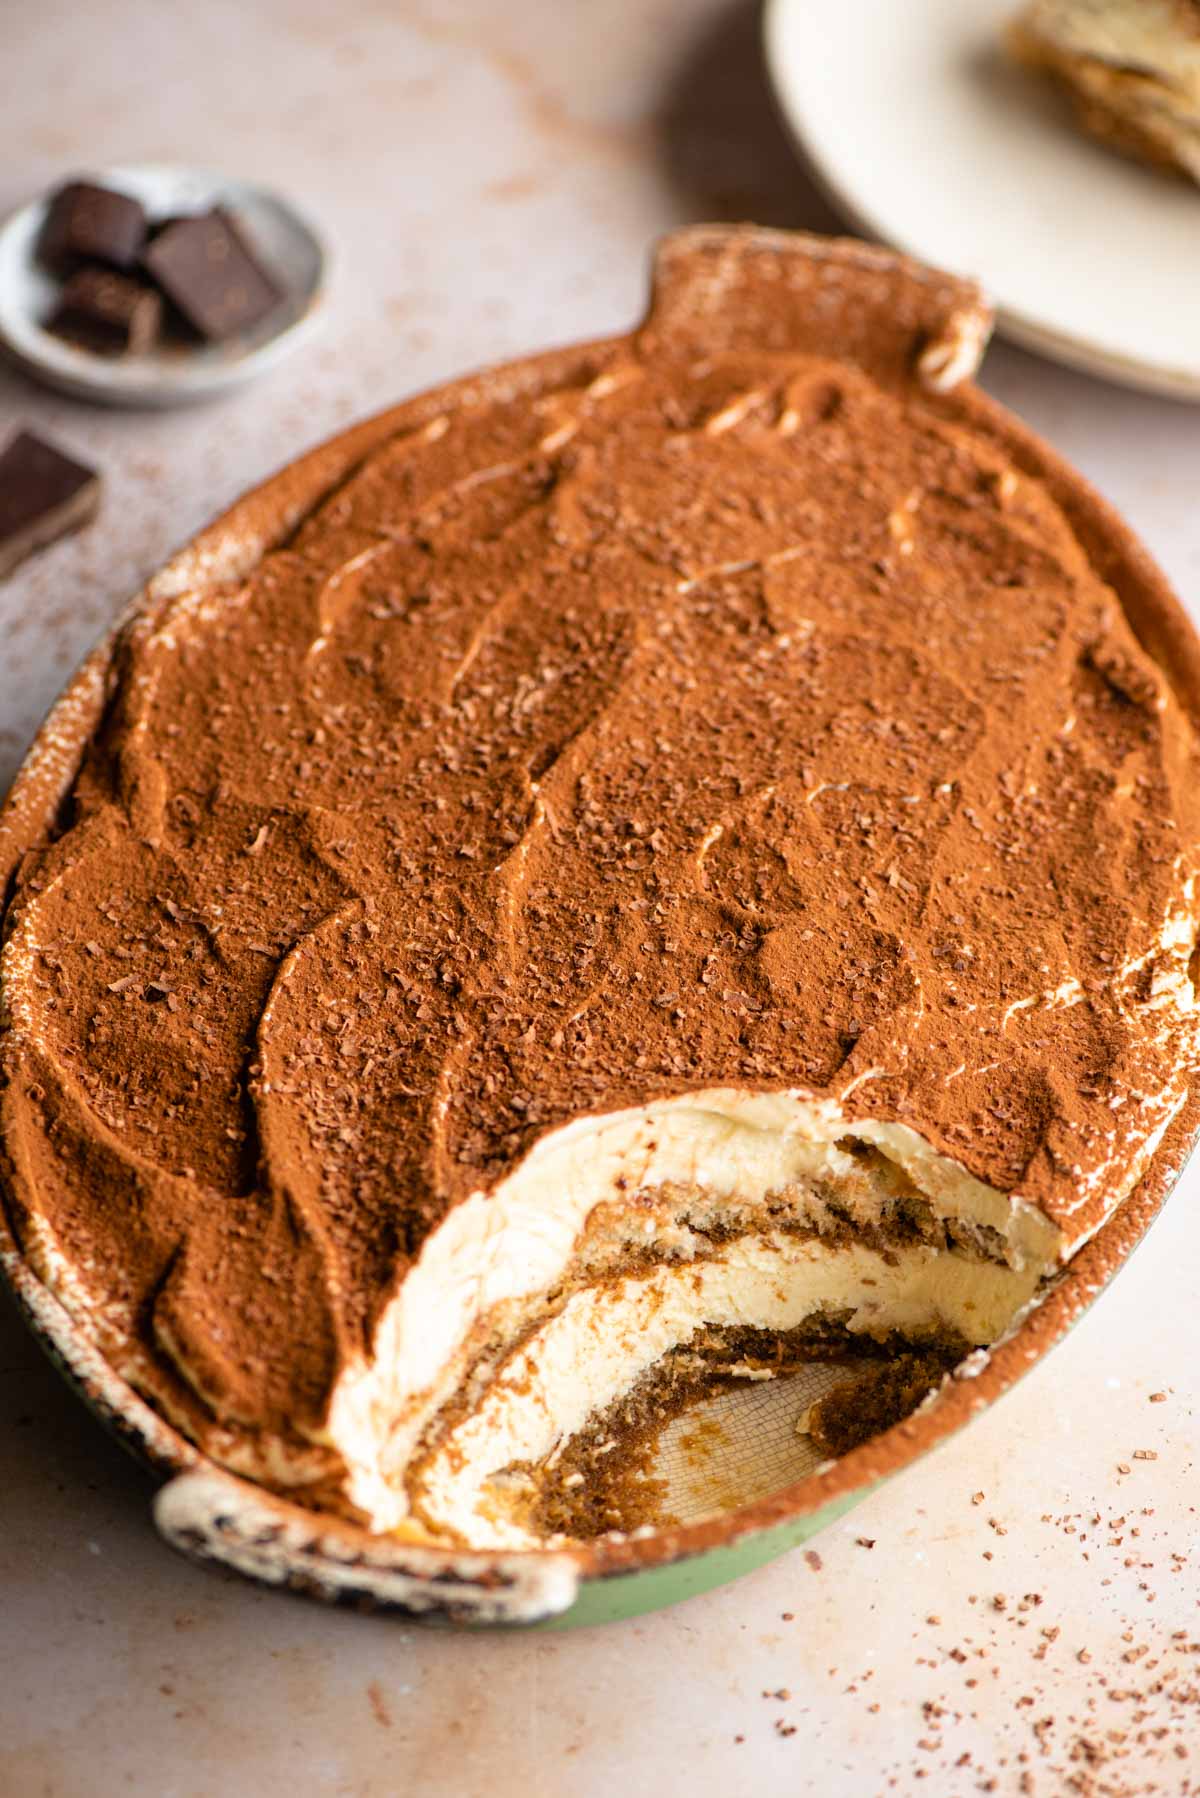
169,373
926,137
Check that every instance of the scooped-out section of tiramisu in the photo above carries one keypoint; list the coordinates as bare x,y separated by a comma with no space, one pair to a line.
619,1241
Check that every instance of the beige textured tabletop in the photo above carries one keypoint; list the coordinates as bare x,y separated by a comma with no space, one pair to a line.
1018,1614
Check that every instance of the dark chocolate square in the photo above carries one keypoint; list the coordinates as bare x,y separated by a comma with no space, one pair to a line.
208,271
88,223
43,494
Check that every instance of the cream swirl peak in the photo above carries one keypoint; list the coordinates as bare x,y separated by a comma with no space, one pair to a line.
684,833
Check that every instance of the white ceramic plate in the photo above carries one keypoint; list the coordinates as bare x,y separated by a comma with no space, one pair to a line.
926,137
164,376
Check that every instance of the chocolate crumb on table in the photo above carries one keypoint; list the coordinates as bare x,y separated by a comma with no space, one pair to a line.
1099,1704
44,493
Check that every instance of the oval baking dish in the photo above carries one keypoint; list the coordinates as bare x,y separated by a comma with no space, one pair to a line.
717,292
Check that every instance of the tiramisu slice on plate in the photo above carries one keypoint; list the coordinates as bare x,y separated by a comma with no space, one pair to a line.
677,861
1130,67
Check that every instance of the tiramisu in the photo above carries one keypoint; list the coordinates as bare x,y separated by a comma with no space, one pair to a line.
679,854
1131,69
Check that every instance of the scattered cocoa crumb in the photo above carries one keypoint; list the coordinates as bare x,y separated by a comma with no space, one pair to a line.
1116,1738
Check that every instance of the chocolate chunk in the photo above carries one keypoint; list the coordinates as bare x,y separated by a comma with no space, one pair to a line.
106,312
175,327
43,495
207,270
86,223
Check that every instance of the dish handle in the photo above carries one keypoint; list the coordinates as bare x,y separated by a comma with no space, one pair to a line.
210,1515
743,288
